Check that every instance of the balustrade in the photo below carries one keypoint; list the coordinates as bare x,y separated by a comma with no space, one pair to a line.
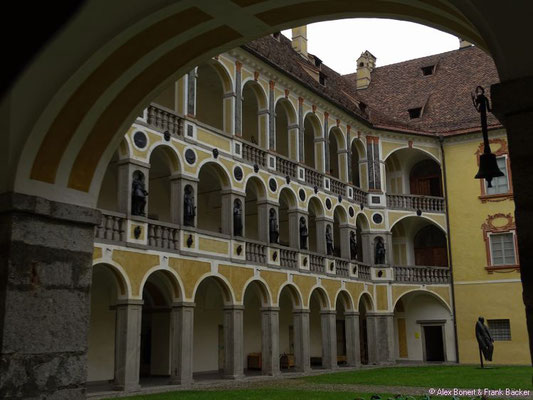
316,263
111,227
256,252
337,187
363,271
163,236
254,154
421,274
285,167
416,202
288,258
164,119
341,267
314,178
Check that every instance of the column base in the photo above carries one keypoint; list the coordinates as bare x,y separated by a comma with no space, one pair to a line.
127,388
233,376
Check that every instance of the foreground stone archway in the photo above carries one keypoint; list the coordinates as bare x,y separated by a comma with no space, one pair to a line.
60,140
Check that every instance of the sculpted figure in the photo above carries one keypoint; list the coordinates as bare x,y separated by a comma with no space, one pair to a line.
237,218
303,234
189,208
380,251
273,226
329,241
353,245
138,194
484,339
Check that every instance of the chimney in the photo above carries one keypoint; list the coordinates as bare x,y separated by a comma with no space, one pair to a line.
464,43
365,65
299,40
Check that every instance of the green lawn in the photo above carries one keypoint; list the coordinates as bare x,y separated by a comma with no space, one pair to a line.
264,394
460,376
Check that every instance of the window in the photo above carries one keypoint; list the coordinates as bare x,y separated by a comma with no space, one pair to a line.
415,112
500,184
428,70
502,249
500,329
322,78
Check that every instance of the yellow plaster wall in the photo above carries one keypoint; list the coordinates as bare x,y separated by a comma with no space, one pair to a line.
381,296
443,292
237,277
213,245
332,287
304,283
274,280
135,265
355,290
190,272
388,147
97,253
213,139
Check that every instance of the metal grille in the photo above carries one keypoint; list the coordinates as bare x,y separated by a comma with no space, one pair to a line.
500,329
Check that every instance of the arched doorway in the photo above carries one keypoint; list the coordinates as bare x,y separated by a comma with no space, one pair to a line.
430,247
210,97
311,131
316,211
163,163
254,220
365,306
253,115
425,178
212,179
357,153
335,144
287,203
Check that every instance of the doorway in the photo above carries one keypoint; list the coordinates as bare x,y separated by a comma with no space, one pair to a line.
434,342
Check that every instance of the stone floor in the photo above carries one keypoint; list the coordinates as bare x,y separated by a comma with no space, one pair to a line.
288,380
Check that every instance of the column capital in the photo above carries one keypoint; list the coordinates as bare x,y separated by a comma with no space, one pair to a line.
328,312
301,311
351,313
183,304
269,309
133,161
129,302
234,307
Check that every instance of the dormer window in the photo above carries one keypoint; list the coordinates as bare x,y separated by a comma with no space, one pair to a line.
322,78
415,112
429,70
362,106
276,35
318,62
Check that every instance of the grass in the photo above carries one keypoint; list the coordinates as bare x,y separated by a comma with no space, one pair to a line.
262,394
460,376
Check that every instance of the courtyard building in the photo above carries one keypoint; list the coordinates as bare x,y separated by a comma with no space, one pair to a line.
265,214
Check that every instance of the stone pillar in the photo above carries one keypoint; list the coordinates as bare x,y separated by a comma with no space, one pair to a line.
349,177
367,248
294,227
233,342
181,336
302,340
301,129
228,200
126,168
271,117
128,345
263,209
345,230
513,105
46,250
321,223
328,319
374,165
192,76
238,99
270,340
353,345
380,338
326,144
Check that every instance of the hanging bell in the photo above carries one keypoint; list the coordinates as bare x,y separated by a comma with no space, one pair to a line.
488,168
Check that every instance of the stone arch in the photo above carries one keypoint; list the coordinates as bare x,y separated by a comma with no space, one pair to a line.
164,164
258,184
294,292
213,180
322,295
287,203
336,144
346,298
171,281
366,297
427,292
312,130
427,219
285,132
266,296
357,153
223,284
173,157
253,117
315,214
121,277
220,172
427,153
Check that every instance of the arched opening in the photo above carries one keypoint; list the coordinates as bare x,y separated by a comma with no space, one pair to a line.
343,305
162,165
288,301
334,146
315,211
317,303
108,196
254,191
209,97
287,203
423,328
158,295
357,152
285,142
209,200
365,305
105,291
209,340
425,178
253,121
361,223
254,299
418,241
413,171
339,240
311,131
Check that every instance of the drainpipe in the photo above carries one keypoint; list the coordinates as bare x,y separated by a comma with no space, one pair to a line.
450,263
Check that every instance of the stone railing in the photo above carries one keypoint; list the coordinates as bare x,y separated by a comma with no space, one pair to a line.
255,252
337,187
313,178
112,227
316,263
421,274
416,202
342,267
360,196
254,154
363,271
164,119
285,167
163,236
288,258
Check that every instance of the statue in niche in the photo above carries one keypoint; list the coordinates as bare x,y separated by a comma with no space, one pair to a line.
237,218
273,226
380,251
138,194
329,241
189,208
353,245
303,234
484,340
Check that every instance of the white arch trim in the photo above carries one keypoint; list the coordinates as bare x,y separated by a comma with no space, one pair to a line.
120,271
425,291
265,284
166,269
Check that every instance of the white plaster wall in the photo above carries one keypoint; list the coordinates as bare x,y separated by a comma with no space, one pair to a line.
426,307
208,315
101,352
